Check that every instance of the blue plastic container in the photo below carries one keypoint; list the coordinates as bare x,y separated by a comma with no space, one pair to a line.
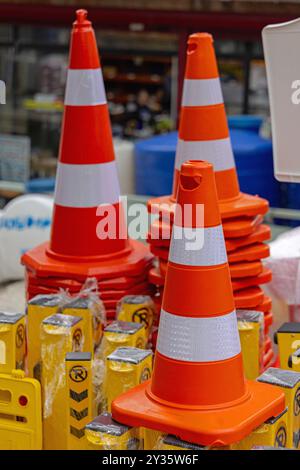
40,185
245,122
154,160
254,163
154,164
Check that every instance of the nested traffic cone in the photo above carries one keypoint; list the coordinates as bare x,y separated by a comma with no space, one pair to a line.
203,131
87,195
198,391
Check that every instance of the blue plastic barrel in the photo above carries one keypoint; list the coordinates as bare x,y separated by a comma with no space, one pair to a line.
254,163
154,164
246,122
40,185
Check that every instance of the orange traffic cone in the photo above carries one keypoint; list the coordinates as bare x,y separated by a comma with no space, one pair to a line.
87,187
198,391
203,130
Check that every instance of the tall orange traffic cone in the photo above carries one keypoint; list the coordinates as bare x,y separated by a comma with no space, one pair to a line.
198,391
87,188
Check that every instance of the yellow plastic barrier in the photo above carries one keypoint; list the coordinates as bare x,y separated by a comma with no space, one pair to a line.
126,368
20,412
121,333
60,334
12,342
38,308
104,433
79,396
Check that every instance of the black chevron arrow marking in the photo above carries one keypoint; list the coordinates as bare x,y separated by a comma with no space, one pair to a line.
79,433
79,415
78,396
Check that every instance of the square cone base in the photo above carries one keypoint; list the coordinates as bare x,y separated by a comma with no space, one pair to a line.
209,427
229,208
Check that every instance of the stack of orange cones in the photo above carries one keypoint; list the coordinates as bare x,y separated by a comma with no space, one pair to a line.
198,391
204,133
89,233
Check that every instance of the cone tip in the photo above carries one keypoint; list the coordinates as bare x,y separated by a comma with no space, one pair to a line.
198,39
81,18
192,166
192,172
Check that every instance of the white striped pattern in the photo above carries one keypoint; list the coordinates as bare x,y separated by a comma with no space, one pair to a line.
203,92
198,246
217,152
198,339
86,185
85,88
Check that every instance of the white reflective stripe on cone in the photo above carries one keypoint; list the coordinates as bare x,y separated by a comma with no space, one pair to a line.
198,246
204,92
85,88
86,185
217,152
198,339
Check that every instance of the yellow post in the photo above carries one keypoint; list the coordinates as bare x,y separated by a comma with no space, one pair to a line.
79,396
12,342
121,333
38,308
104,433
274,432
126,368
251,331
20,412
93,318
137,308
60,334
289,382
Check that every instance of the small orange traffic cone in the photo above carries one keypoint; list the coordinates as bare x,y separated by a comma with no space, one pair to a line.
198,391
87,187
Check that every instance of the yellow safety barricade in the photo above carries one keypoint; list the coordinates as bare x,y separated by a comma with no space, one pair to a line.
20,412
288,340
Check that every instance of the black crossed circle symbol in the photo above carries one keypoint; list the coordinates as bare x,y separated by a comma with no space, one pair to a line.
280,439
77,336
297,402
78,373
141,316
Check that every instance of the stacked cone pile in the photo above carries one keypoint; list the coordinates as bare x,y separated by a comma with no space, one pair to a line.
89,233
198,391
204,134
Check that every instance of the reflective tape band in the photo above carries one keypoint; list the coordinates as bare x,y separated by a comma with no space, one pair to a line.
198,339
217,152
198,246
204,92
86,185
85,88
